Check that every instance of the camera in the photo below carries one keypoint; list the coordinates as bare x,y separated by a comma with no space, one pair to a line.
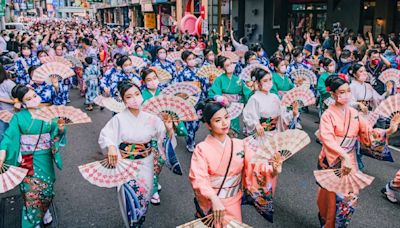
337,29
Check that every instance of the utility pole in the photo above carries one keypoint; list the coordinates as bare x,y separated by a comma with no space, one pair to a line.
220,18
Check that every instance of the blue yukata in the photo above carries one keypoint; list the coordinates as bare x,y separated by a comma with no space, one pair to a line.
294,66
263,60
188,75
105,80
119,76
49,94
207,63
238,68
21,69
168,66
91,78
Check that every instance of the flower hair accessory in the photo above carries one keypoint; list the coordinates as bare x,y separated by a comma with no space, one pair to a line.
221,100
328,88
344,77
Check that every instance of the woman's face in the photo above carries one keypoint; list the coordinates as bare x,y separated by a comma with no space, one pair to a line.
265,84
59,51
133,98
127,64
220,122
361,73
252,59
150,78
343,90
41,56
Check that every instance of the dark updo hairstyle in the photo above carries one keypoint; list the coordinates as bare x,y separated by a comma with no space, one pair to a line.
297,51
207,109
159,48
39,53
248,55
325,62
124,86
258,74
19,91
32,69
276,60
334,81
145,72
354,68
3,74
221,61
257,48
121,60
206,51
186,55
137,47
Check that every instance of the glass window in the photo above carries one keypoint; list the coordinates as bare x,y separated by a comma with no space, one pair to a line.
298,7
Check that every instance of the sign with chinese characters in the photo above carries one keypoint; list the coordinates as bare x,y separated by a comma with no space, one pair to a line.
150,20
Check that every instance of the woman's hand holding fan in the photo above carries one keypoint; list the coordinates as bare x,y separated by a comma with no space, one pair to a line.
295,107
346,169
61,125
260,130
2,157
394,124
299,81
112,155
277,161
169,123
218,211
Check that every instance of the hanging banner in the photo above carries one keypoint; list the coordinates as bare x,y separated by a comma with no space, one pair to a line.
150,20
2,8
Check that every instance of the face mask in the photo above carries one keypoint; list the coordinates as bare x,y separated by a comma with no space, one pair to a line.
363,77
376,61
331,69
191,63
211,58
134,102
230,69
299,59
280,48
253,61
153,84
266,86
33,103
119,45
282,69
344,99
162,56
139,53
261,53
128,69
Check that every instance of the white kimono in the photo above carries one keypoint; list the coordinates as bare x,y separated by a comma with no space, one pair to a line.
134,196
364,92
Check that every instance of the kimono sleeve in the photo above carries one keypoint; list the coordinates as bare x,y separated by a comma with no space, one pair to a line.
251,114
247,92
287,118
371,137
216,88
328,138
58,138
321,87
110,135
10,142
198,174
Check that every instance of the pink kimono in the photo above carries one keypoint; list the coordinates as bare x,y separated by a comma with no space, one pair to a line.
335,210
208,167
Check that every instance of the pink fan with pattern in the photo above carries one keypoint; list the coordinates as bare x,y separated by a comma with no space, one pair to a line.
302,95
50,70
174,56
245,75
10,177
69,114
230,55
333,180
137,62
390,75
102,174
235,109
177,108
58,59
308,76
390,108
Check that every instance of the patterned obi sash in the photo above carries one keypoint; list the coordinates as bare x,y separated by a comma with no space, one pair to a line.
136,151
232,185
28,143
269,124
232,97
347,143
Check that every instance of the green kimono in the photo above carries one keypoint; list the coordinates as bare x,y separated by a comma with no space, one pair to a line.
280,83
223,85
37,143
323,94
159,162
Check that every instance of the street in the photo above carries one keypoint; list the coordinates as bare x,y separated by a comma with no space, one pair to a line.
80,204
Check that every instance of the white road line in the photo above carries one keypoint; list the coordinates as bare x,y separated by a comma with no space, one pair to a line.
394,148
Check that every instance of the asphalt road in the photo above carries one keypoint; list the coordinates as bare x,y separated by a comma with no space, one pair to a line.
80,204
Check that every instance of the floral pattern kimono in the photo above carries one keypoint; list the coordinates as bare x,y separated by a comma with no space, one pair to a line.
232,88
105,80
122,132
323,94
22,66
49,94
336,210
188,75
119,76
33,145
168,66
207,169
91,78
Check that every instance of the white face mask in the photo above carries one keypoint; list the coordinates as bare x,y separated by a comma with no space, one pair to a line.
344,99
331,69
33,103
191,63
162,56
282,69
266,86
230,69
363,77
134,102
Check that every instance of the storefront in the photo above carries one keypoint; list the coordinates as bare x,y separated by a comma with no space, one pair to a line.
304,15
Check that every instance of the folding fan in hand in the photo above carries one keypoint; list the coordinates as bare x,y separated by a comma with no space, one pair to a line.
235,109
174,56
52,69
245,75
10,177
306,75
230,55
114,104
69,114
211,72
102,174
177,108
304,96
206,222
334,181
286,144
390,75
186,91
58,59
5,116
75,62
137,62
162,75
390,108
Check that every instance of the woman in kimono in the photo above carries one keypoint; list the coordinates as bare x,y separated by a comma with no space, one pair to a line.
340,127
141,54
188,74
163,63
263,113
392,189
23,64
50,94
151,89
229,88
91,78
34,145
261,55
105,81
66,83
209,57
364,97
218,165
298,62
280,80
133,131
127,72
329,67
